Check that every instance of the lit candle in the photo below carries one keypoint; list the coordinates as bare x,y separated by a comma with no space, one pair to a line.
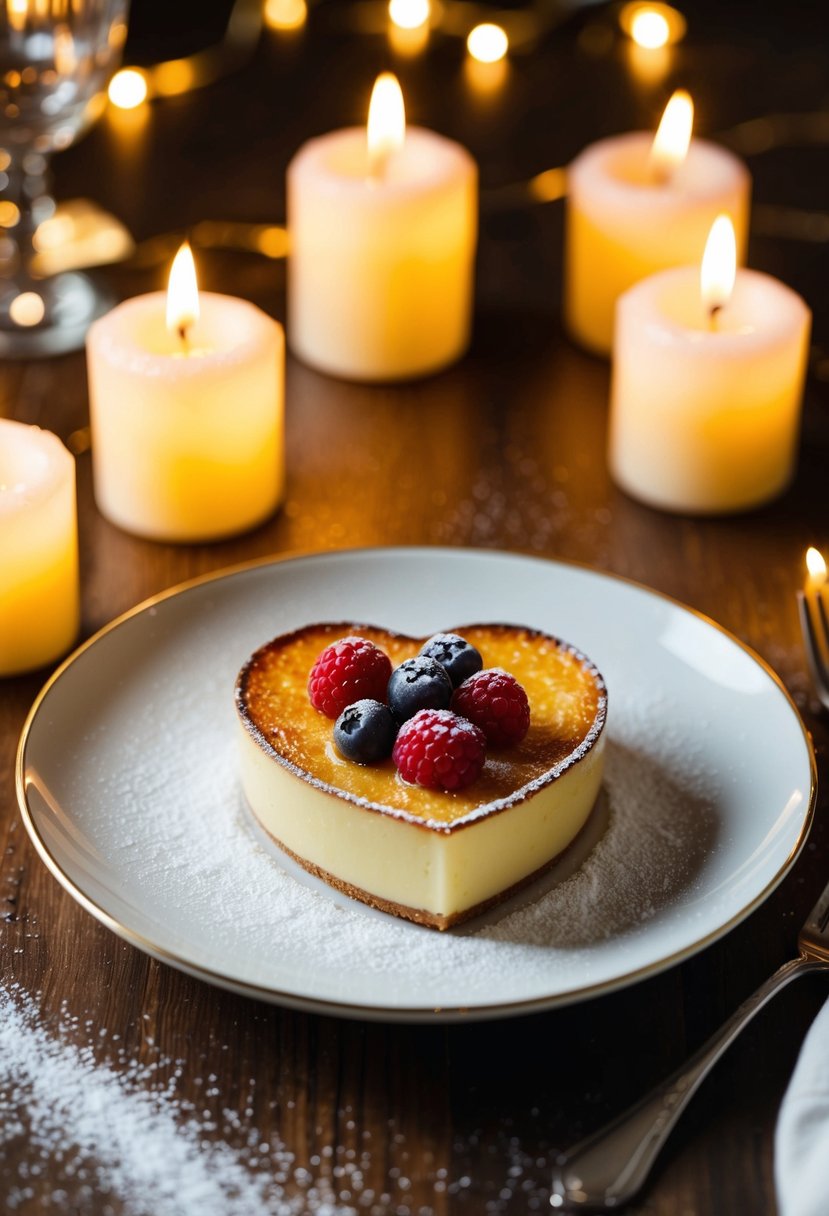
708,373
637,204
186,405
815,572
383,228
39,610
813,609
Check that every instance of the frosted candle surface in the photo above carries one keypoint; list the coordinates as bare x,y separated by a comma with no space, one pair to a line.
705,414
187,436
39,603
625,222
381,268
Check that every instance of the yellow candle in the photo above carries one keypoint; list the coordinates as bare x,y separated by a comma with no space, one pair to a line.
383,229
186,405
707,385
637,204
39,607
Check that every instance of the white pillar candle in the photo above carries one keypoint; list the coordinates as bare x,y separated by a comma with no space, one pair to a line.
187,413
707,388
39,604
637,204
383,235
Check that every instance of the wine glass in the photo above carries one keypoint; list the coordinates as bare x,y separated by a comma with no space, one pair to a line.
56,58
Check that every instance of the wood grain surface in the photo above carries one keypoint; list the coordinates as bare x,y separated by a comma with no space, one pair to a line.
505,451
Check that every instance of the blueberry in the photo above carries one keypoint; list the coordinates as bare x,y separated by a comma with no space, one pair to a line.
365,732
418,683
459,657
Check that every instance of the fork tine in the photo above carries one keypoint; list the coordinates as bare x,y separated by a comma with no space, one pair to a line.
814,618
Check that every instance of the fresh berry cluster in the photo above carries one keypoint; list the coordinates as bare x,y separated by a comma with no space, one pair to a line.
434,715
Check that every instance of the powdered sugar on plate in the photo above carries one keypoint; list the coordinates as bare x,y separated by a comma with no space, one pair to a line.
134,791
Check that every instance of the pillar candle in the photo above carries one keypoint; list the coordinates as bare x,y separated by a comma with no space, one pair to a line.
638,204
383,228
39,603
187,414
706,387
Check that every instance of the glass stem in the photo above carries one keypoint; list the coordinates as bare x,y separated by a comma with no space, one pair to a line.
27,191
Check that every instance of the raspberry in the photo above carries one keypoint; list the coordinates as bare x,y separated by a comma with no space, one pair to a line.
347,671
497,704
439,750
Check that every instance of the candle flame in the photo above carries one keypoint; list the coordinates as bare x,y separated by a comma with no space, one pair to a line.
386,122
816,566
673,135
182,293
719,265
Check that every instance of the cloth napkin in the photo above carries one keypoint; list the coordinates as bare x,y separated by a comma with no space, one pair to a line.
801,1143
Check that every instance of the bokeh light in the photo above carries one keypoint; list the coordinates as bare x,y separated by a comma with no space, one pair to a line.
9,213
652,26
409,14
650,29
285,14
128,88
487,43
27,309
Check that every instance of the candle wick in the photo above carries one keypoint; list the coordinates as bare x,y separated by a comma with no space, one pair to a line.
713,313
182,333
377,167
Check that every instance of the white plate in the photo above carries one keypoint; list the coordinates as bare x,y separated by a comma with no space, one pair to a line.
127,784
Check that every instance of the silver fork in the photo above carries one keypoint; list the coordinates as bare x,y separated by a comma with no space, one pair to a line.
608,1168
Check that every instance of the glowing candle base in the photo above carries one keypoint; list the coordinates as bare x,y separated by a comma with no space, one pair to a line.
626,220
39,602
187,435
383,231
705,419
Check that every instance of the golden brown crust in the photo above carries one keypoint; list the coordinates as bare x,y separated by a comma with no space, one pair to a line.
272,703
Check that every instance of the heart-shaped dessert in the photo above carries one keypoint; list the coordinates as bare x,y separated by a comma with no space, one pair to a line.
431,855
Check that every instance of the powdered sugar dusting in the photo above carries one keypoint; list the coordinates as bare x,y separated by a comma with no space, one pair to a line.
184,843
139,755
87,1124
100,1128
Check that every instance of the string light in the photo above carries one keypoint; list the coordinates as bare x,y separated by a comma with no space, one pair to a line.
650,29
128,89
652,25
285,14
409,14
487,43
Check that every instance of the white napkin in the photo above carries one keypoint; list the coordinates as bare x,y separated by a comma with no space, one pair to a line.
801,1142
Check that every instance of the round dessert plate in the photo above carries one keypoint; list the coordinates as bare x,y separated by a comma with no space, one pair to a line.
128,787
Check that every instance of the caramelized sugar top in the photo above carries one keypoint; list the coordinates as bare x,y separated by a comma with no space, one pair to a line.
566,695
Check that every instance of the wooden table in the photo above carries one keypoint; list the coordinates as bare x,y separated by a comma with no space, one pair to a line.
464,1118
